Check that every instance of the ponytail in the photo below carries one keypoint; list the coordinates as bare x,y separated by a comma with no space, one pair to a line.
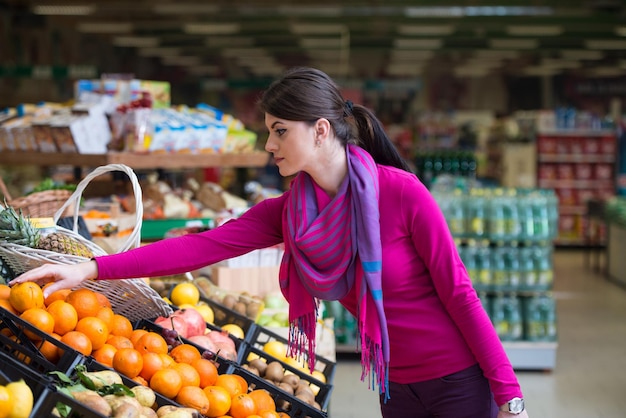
371,136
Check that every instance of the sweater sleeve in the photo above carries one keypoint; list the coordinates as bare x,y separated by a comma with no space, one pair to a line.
259,227
435,245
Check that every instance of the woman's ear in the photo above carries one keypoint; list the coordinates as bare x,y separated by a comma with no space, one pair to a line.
322,129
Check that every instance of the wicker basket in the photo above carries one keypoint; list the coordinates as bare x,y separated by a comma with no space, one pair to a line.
133,298
39,204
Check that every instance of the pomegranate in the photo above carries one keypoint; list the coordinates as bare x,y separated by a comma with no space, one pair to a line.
175,322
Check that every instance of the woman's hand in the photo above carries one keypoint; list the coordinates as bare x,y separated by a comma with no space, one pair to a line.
63,276
504,414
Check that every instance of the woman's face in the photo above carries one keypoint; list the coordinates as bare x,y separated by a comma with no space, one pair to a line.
292,143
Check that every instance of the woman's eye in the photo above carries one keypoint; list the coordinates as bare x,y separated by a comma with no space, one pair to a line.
280,132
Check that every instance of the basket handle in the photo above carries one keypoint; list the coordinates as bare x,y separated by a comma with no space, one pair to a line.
134,238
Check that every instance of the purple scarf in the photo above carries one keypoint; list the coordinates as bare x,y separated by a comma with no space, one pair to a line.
328,252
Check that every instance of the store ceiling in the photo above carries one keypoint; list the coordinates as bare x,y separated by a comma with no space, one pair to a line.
239,39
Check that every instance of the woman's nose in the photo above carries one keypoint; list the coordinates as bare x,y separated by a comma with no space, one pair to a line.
269,144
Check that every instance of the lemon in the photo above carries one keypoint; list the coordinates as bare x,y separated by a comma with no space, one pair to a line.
6,402
185,293
235,330
22,399
276,349
206,312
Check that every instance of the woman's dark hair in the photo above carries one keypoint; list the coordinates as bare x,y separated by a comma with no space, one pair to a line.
307,94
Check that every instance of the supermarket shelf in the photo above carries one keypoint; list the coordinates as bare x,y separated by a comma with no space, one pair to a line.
575,184
576,158
524,355
576,132
137,161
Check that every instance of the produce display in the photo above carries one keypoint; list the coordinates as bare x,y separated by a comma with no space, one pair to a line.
84,359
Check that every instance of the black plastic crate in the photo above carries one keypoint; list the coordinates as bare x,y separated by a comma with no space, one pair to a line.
223,316
40,385
239,344
53,399
25,350
263,335
294,407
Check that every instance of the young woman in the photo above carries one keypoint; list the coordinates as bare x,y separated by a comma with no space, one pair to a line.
360,228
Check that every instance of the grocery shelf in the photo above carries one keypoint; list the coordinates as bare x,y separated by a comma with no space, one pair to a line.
136,160
576,158
524,355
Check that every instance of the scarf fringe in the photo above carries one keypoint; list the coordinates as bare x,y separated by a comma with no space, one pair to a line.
302,338
374,368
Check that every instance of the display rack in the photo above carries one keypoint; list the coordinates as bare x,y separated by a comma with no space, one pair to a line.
138,161
579,165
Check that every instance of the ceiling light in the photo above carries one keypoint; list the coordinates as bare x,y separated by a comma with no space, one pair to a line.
229,41
64,10
513,43
190,60
620,30
316,29
581,54
104,27
321,43
496,53
184,8
211,28
456,11
534,30
560,63
425,30
407,54
538,71
471,71
410,43
159,52
606,72
319,11
135,41
605,44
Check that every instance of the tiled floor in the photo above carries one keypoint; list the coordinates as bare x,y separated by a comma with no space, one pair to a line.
589,380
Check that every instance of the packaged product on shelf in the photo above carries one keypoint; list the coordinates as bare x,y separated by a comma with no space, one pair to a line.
43,135
238,141
63,129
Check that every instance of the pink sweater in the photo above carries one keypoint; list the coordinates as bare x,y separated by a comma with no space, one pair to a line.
437,325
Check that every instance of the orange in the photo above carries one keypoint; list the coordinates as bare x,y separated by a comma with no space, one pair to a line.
242,406
151,363
206,370
104,300
230,383
26,295
7,305
134,335
283,415
140,380
219,401
56,295
185,353
189,374
151,342
84,301
5,292
49,350
40,319
242,382
118,341
168,361
65,316
122,326
128,361
78,341
106,314
193,397
263,400
104,355
167,382
268,414
94,328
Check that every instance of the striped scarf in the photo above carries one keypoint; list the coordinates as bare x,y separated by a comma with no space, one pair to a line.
329,252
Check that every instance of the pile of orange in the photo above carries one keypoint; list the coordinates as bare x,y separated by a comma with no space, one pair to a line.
83,319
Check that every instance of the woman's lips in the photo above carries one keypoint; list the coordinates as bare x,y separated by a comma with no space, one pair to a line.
278,160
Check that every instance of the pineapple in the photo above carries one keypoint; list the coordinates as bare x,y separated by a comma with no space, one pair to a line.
17,229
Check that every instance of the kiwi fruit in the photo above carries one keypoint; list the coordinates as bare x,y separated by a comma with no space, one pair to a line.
229,301
274,372
259,364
